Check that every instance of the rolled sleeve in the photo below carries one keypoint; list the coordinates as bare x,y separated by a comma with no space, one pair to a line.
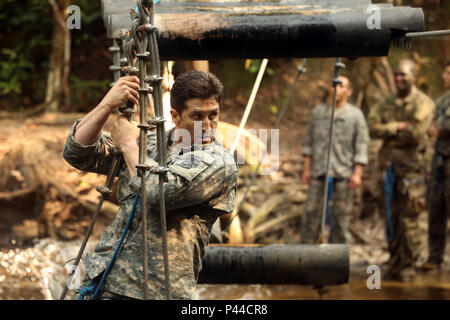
96,157
307,146
135,182
362,141
73,147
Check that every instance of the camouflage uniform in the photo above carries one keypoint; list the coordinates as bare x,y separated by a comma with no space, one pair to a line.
405,150
350,139
439,187
201,187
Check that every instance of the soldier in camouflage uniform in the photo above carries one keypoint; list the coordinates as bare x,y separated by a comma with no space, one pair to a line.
402,120
439,186
201,187
348,156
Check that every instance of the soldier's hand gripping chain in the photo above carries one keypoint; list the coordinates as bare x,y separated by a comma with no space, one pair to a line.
124,90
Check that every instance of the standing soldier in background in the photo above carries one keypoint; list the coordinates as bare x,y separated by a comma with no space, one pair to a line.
439,186
402,121
348,156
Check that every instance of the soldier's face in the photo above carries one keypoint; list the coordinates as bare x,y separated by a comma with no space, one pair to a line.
446,77
200,119
404,78
343,90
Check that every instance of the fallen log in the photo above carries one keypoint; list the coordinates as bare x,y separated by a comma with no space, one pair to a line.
326,264
260,215
286,29
277,223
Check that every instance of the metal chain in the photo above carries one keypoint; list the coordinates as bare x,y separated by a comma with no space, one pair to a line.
337,66
139,42
155,81
144,35
300,70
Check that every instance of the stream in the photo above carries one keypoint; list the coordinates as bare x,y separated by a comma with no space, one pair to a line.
38,273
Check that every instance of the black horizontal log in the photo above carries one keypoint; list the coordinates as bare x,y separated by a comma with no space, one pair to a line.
285,29
209,31
326,264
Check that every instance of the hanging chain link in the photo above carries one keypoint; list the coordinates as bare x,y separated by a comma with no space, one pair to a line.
144,34
139,46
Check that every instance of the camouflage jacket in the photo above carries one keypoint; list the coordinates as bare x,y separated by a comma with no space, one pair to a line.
406,148
349,145
201,187
442,121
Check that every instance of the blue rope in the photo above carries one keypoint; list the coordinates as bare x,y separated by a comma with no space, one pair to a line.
94,289
87,291
329,216
389,185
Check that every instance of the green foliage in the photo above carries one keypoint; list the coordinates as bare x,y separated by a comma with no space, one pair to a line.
25,42
91,22
86,90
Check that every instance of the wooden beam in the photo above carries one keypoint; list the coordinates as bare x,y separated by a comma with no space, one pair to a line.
285,29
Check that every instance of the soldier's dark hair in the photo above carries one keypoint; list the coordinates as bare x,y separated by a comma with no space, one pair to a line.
194,84
448,63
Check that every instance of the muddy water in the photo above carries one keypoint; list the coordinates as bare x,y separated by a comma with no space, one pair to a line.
38,273
425,286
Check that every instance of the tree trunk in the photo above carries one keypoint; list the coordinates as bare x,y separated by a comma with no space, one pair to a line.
58,75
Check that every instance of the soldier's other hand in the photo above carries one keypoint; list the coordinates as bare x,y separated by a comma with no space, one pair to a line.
432,132
124,133
168,81
401,125
306,177
354,182
126,88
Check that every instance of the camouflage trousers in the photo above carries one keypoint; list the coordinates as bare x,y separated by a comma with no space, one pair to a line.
103,294
340,207
438,210
407,203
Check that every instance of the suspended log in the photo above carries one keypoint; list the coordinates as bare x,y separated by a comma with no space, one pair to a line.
326,264
285,29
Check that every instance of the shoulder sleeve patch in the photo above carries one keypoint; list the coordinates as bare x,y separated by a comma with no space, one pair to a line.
191,164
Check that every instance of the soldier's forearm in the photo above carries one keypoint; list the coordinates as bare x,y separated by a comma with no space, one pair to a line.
131,154
90,127
358,169
306,163
383,130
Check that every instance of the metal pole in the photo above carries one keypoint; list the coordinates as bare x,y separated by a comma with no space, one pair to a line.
338,65
300,70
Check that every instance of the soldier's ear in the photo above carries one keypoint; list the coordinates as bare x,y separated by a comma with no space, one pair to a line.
350,91
176,117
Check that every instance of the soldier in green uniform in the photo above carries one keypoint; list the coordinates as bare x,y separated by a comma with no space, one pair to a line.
439,186
402,120
348,157
201,186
